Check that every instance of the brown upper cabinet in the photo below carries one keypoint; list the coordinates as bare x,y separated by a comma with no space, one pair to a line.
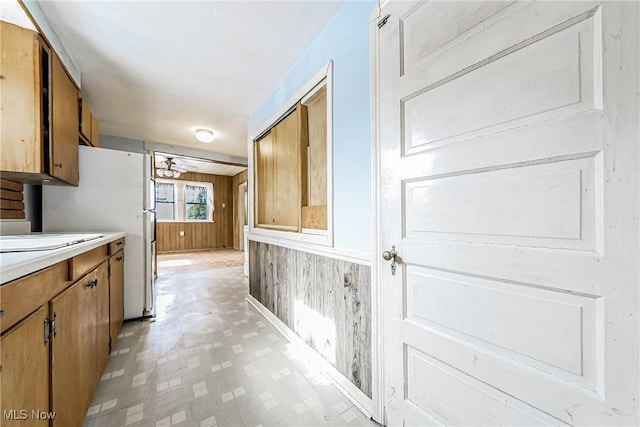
291,168
279,179
89,127
38,103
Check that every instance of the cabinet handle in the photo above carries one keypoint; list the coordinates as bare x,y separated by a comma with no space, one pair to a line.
119,243
119,258
58,165
93,283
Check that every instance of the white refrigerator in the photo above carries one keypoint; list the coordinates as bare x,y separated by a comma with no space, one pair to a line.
116,193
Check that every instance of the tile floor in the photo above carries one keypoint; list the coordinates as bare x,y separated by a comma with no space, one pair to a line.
209,359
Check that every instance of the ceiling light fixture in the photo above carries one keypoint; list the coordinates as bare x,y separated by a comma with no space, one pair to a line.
205,135
169,169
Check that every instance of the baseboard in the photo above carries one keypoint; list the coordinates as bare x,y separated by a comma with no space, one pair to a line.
353,393
182,251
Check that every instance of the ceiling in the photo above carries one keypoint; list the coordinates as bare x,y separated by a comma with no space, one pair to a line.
190,164
156,71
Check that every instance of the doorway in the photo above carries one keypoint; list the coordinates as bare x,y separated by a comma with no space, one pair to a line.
242,217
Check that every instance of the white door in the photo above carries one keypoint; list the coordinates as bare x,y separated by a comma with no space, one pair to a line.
508,147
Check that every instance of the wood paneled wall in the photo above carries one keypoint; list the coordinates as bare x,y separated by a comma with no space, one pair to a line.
237,222
307,293
202,235
11,200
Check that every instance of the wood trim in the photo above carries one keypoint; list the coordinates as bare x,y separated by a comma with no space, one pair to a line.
11,195
7,214
5,184
11,205
238,180
278,227
377,303
11,200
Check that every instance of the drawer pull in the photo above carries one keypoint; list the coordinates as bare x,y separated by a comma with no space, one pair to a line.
119,258
93,283
119,243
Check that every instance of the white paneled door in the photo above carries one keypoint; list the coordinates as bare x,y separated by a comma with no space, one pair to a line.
508,147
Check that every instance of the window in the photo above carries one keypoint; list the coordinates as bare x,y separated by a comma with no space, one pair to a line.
196,200
184,201
165,206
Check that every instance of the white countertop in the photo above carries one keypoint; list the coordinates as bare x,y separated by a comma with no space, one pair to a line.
17,264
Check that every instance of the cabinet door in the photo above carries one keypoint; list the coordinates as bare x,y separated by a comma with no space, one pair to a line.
116,294
20,100
64,125
24,378
72,351
95,131
287,198
85,120
265,174
100,300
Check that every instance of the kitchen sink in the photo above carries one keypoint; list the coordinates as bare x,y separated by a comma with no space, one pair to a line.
43,241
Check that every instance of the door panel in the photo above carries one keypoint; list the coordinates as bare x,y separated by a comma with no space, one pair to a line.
24,378
64,125
501,134
73,353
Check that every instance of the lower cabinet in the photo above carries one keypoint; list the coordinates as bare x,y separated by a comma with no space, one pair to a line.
80,345
24,379
53,355
71,361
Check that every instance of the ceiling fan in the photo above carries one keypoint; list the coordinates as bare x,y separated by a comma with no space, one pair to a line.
169,169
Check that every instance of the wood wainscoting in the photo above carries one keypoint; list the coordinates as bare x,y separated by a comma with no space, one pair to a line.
202,235
238,230
307,293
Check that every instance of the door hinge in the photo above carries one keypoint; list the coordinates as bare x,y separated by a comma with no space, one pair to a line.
47,330
383,21
53,325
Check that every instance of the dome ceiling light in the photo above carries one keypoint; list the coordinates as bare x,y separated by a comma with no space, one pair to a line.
205,135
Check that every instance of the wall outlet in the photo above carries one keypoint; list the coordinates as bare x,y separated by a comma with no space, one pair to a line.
181,233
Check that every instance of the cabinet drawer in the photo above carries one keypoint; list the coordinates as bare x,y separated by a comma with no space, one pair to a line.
60,279
23,296
116,245
80,264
